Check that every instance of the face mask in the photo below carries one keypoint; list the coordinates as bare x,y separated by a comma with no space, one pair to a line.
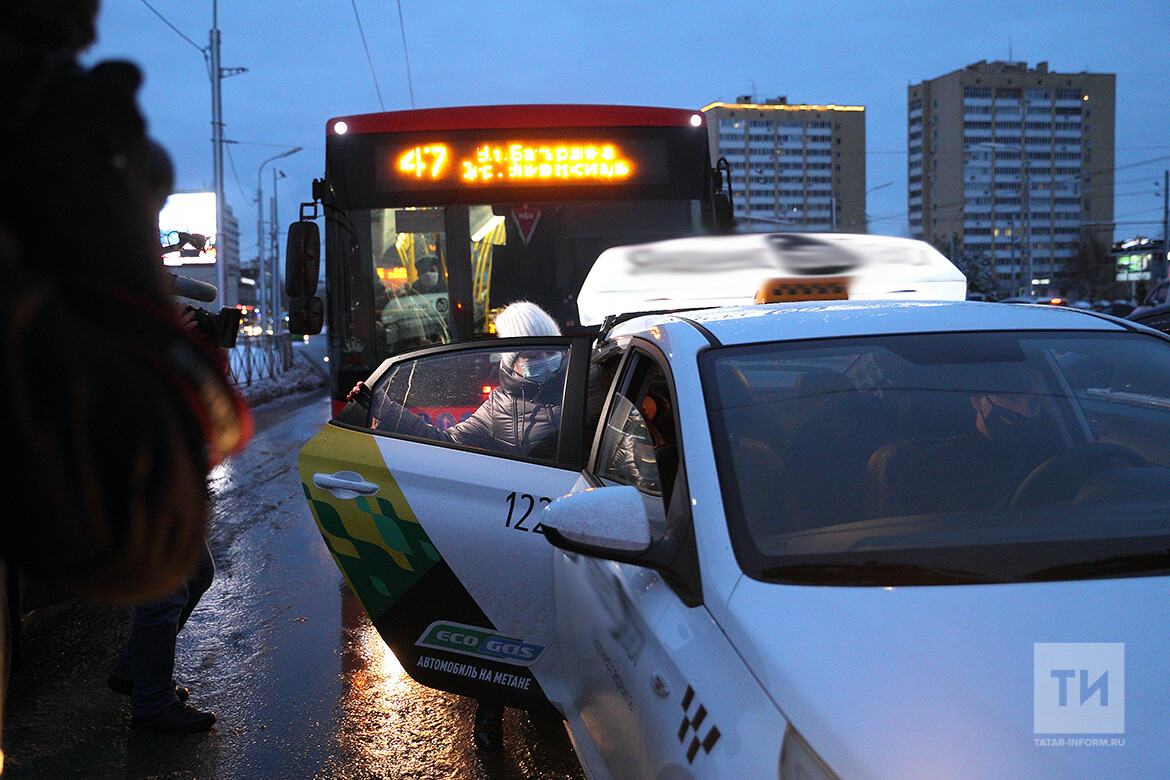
430,278
541,370
1009,427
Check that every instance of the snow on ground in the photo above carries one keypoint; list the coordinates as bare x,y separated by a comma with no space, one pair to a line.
303,376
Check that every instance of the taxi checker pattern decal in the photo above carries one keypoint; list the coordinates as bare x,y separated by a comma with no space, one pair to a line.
825,289
692,725
376,541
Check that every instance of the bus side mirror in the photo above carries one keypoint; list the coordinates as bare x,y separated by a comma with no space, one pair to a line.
302,260
306,316
724,213
722,201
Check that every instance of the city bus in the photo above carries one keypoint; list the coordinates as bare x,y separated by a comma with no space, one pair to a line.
435,219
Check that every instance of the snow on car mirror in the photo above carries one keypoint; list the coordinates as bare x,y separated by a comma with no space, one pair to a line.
606,518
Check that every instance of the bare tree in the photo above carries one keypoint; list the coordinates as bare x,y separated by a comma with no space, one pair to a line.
1092,268
980,272
978,267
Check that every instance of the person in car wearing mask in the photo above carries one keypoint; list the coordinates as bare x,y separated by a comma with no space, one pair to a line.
1013,434
430,278
519,414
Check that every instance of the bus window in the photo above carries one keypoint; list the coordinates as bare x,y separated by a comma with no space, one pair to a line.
411,303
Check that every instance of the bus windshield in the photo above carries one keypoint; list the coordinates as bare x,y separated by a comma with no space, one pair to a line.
417,259
437,219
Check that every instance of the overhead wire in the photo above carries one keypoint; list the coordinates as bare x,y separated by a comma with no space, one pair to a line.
276,146
167,22
405,55
227,147
1091,172
369,59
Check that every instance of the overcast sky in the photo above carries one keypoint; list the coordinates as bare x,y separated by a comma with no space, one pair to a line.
306,63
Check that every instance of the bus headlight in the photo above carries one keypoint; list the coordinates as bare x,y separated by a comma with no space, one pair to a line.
799,762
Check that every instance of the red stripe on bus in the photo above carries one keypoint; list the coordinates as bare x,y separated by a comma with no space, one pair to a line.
515,117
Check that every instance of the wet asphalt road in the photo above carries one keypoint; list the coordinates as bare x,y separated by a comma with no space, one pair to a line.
300,682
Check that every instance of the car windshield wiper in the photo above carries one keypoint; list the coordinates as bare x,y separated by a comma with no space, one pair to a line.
874,573
1113,566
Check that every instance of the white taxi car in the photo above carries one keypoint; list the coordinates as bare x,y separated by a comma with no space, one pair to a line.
866,540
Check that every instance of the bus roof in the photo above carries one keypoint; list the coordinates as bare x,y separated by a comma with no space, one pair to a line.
520,117
709,271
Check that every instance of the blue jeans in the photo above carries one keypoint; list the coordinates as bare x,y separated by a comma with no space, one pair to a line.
149,657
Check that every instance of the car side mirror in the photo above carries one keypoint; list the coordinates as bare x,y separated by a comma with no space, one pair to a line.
302,259
612,523
599,521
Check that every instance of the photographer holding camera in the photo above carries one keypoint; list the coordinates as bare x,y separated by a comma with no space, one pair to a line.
113,412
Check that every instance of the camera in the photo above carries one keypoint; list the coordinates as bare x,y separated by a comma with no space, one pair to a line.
221,328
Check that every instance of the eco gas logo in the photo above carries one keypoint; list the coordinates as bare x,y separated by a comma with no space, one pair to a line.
1079,688
476,642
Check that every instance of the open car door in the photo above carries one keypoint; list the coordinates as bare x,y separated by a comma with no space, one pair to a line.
427,489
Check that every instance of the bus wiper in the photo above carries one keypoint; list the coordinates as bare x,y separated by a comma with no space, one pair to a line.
1139,563
874,573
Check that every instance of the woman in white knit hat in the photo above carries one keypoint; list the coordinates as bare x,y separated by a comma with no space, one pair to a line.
523,411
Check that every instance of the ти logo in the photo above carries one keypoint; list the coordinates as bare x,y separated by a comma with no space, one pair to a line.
1079,688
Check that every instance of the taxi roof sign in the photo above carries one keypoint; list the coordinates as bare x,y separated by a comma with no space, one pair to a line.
705,271
823,288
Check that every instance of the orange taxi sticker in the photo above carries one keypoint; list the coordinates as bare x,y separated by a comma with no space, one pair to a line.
821,288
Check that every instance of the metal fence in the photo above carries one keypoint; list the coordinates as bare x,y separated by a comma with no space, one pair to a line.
260,357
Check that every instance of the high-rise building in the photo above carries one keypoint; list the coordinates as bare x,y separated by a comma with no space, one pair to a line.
793,167
1013,166
229,250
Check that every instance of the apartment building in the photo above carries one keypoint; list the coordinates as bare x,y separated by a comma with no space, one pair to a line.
1015,165
793,167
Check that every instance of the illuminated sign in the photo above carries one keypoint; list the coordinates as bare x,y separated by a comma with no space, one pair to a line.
187,223
442,166
494,163
517,162
1134,268
397,274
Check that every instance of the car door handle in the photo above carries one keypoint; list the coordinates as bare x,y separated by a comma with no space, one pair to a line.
345,484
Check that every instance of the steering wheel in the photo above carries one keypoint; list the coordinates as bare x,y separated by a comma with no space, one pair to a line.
1060,477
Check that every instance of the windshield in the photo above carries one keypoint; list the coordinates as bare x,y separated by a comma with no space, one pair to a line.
945,458
419,276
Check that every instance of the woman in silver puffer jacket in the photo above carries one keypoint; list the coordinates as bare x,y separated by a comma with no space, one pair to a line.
523,411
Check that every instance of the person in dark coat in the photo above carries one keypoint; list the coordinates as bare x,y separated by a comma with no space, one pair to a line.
145,670
113,413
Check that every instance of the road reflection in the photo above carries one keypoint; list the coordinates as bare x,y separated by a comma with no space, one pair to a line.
369,667
392,726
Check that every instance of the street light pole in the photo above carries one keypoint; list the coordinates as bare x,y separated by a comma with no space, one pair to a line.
218,73
1027,203
275,261
217,155
264,287
1166,221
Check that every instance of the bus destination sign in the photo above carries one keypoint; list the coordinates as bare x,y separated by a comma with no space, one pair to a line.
514,163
